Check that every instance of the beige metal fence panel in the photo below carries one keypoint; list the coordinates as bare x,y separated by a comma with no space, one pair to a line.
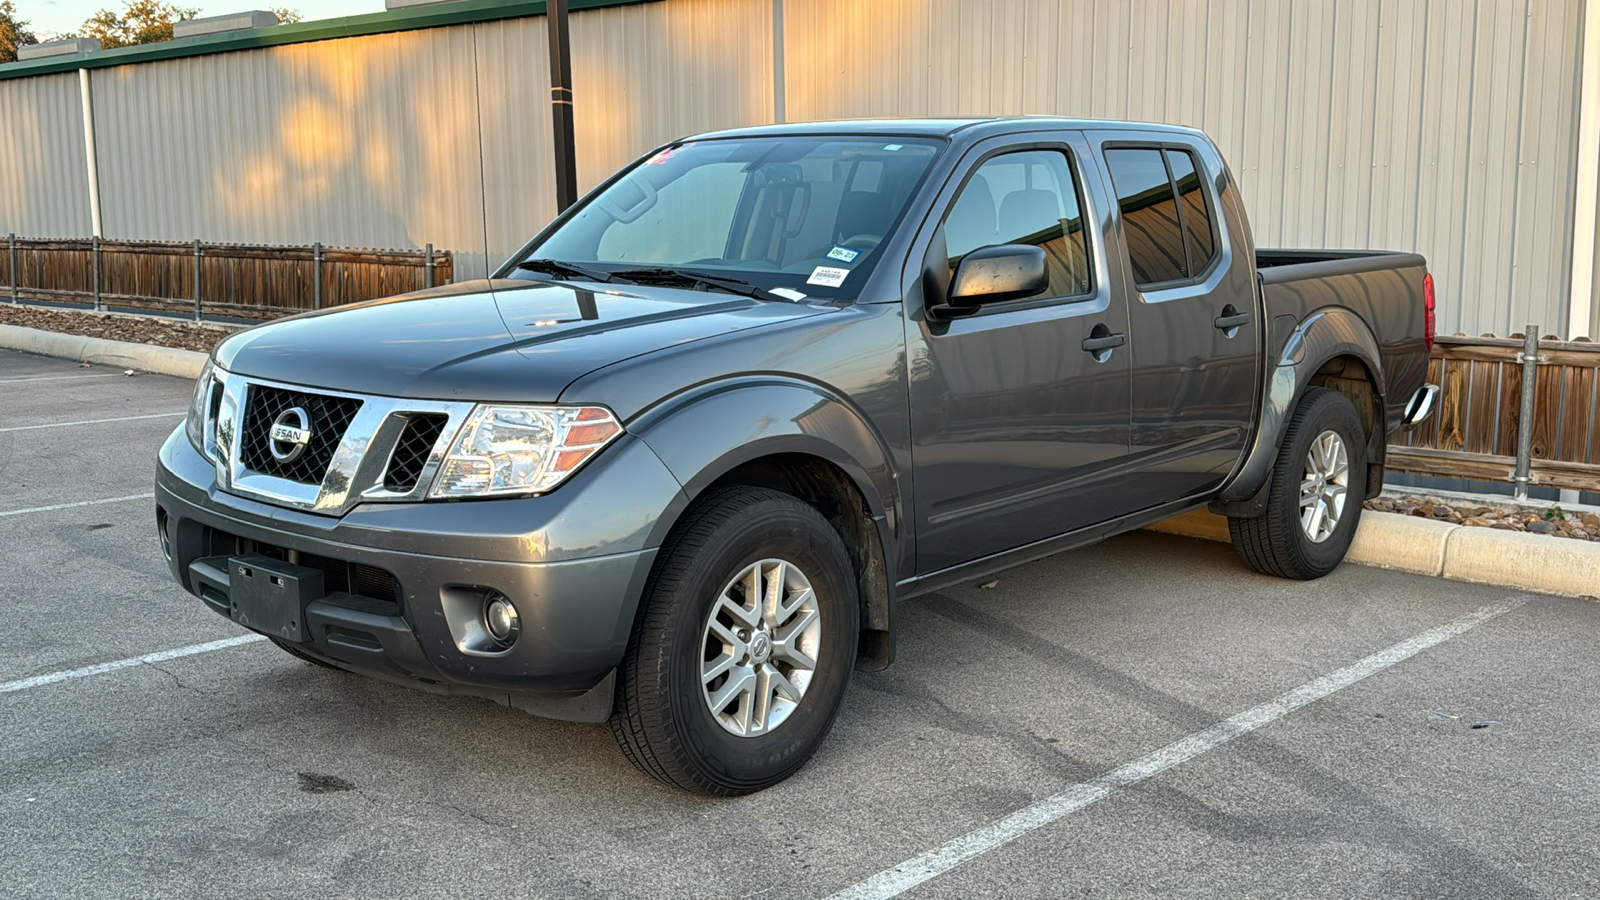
642,76
44,185
1441,127
368,141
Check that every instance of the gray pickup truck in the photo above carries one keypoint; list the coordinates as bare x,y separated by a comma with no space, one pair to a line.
674,465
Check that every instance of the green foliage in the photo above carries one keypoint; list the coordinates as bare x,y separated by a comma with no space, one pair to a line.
141,22
1555,513
13,32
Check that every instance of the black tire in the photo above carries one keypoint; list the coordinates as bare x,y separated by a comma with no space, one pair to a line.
1276,543
299,654
662,720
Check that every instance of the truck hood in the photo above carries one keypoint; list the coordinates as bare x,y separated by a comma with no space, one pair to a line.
506,340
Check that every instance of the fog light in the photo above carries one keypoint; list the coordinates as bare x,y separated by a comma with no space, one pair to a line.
161,529
500,618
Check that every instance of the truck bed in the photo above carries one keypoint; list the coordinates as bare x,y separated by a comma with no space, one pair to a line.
1383,288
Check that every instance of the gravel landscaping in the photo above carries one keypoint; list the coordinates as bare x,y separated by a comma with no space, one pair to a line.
1583,526
135,329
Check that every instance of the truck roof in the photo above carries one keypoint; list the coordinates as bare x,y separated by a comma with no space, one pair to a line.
945,128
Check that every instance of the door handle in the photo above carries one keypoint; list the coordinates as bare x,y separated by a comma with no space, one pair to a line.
1096,344
1230,319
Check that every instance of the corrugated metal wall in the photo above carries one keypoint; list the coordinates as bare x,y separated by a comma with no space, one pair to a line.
1442,126
642,76
43,179
371,141
1439,126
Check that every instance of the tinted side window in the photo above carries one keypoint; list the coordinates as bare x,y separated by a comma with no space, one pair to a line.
1196,215
1024,198
1150,222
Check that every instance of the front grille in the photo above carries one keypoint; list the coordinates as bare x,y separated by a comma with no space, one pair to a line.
411,453
329,418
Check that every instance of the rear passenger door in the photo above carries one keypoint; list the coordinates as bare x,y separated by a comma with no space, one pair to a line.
1193,329
1018,429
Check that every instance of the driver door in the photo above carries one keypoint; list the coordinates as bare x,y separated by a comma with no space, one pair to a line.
1019,432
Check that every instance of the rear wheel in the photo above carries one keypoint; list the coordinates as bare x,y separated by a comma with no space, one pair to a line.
744,646
1314,501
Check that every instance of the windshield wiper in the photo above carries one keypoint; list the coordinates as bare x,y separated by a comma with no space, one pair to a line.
563,269
670,276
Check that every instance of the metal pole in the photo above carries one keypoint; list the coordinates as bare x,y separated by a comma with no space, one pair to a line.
197,254
1530,370
316,275
561,104
427,268
94,270
11,240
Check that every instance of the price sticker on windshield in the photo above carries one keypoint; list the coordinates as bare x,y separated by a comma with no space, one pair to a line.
827,276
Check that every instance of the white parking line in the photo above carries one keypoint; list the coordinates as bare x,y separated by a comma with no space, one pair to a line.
60,378
34,509
907,875
102,668
93,421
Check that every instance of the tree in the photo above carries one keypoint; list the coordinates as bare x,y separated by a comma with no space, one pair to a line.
13,32
286,16
142,22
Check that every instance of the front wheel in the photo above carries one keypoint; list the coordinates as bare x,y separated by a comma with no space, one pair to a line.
744,646
1314,502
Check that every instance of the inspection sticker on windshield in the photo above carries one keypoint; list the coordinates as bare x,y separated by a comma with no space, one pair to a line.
843,254
827,276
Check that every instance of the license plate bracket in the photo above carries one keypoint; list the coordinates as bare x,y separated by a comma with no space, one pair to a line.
270,595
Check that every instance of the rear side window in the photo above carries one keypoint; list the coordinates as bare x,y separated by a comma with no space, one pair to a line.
1202,244
1028,197
1165,218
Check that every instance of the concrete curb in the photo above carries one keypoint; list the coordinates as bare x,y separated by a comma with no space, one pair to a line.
1530,562
143,357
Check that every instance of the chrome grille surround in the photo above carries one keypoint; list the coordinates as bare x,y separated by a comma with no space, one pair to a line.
356,472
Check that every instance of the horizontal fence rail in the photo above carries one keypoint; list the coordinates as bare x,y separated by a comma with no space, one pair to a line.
234,280
1477,428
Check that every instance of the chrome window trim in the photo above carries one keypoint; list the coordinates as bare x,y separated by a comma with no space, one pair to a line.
355,474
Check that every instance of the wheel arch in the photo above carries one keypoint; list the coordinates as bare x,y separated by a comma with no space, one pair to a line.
796,438
1334,348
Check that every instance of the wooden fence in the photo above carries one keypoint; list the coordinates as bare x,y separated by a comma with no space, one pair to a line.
1475,427
236,280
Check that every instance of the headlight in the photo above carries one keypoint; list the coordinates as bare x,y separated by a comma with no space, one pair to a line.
522,449
200,409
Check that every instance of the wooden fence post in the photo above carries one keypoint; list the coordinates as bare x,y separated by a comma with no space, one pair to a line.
11,239
427,268
316,275
94,271
197,255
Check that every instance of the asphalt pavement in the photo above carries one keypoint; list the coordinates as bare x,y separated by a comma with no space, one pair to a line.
1145,717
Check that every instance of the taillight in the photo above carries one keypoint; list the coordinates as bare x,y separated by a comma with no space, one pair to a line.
1427,310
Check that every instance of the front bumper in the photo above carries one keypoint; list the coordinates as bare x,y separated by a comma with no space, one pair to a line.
401,577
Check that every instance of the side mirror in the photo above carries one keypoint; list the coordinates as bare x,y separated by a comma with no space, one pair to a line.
1001,272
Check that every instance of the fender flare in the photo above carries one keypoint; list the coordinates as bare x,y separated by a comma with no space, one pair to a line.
707,431
1323,335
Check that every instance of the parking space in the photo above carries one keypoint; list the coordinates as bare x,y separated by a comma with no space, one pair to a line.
244,771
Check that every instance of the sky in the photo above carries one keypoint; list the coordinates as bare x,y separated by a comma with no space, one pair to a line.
61,16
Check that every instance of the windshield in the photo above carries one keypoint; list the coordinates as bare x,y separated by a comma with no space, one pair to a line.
803,213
